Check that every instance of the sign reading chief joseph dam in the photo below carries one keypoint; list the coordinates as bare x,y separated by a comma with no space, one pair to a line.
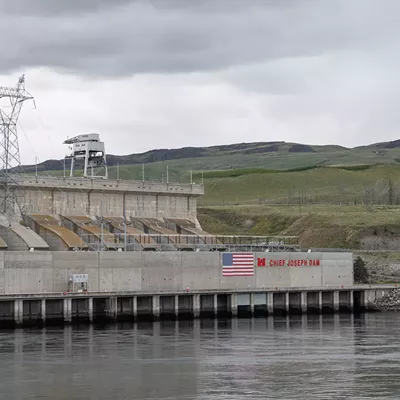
242,264
264,262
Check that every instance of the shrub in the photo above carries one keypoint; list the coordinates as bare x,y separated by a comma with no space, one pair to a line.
360,271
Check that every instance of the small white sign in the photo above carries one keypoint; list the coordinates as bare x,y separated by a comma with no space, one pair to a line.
79,278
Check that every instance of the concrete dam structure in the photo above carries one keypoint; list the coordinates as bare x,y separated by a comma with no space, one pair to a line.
94,213
62,286
50,272
88,248
62,214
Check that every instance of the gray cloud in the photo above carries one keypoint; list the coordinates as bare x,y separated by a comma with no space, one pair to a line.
99,37
173,73
54,8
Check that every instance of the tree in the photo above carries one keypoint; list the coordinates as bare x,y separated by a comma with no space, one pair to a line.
360,271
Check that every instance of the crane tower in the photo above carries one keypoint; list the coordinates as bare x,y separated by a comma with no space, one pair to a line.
91,151
12,99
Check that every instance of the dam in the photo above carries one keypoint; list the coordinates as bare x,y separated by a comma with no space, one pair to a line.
86,248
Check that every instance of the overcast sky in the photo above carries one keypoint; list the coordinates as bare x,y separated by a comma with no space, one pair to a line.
174,73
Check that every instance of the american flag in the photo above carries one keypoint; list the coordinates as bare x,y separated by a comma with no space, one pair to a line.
237,264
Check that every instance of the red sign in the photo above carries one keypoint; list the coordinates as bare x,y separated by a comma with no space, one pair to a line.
263,262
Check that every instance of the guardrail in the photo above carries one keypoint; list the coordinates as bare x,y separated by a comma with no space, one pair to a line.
176,242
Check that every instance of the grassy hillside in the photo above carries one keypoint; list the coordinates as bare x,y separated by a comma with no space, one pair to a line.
334,185
325,207
272,155
318,226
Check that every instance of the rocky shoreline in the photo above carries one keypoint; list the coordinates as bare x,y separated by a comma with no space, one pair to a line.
389,302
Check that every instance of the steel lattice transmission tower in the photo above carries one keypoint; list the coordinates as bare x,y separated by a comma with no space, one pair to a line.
11,103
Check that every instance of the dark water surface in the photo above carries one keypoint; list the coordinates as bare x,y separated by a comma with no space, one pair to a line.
309,357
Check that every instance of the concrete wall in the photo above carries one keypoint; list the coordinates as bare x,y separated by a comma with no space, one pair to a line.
78,196
35,272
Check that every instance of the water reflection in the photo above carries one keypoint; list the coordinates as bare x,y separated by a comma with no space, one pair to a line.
302,357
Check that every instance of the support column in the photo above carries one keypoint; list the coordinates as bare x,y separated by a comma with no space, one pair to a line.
287,299
234,305
336,303
320,301
43,310
90,308
270,303
18,311
67,310
113,307
134,307
215,305
351,301
196,306
303,300
156,307
252,304
176,304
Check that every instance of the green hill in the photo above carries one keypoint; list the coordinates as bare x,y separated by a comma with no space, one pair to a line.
326,207
333,185
329,196
272,155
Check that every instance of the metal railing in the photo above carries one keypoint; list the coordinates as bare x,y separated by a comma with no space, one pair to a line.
176,242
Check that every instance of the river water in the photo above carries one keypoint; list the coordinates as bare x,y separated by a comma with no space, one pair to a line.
308,357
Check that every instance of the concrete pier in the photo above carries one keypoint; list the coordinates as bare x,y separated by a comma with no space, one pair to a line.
303,300
18,310
176,304
43,310
351,300
234,305
336,301
134,307
270,303
196,306
215,304
252,303
90,309
156,306
320,301
67,309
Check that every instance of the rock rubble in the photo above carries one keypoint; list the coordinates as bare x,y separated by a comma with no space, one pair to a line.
389,302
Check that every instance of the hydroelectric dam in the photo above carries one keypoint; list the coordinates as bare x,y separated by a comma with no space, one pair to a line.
93,249
88,248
